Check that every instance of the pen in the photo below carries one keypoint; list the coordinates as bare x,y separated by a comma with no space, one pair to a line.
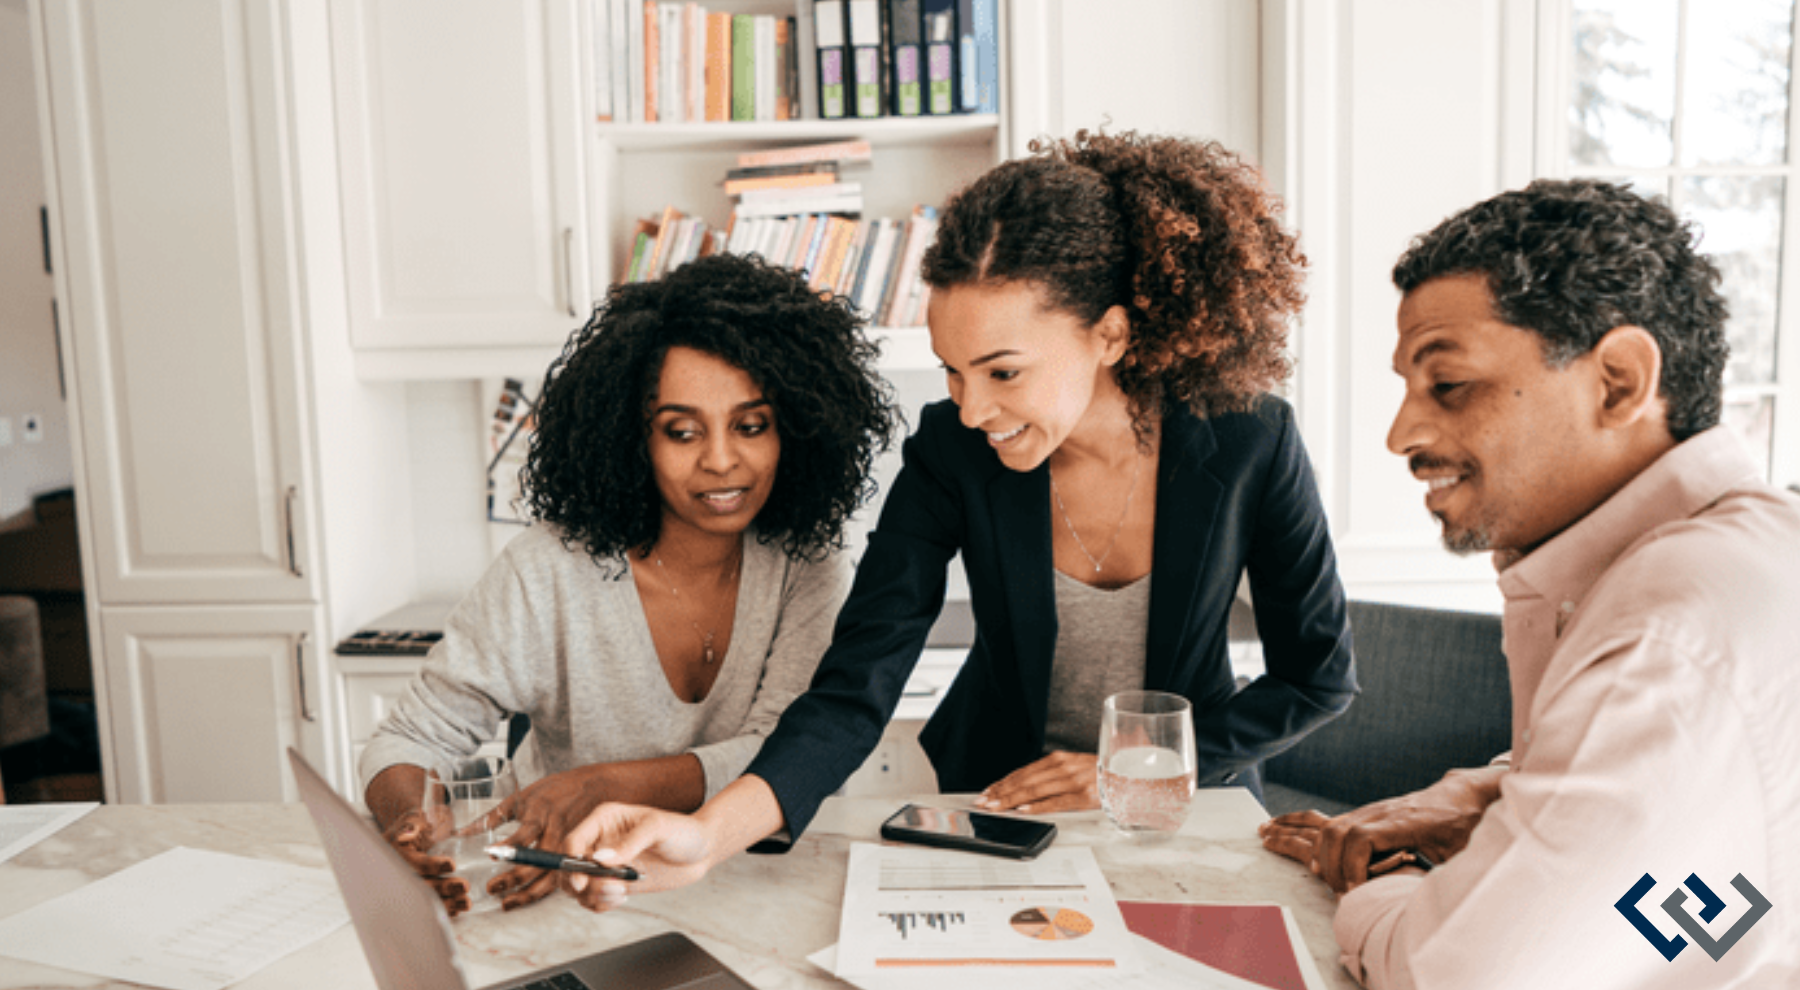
526,856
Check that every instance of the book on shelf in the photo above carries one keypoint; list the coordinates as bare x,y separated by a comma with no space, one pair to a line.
743,67
795,180
633,16
763,78
718,66
652,63
671,96
693,53
830,167
843,152
986,15
603,86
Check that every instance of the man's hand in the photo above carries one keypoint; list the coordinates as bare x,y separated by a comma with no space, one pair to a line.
1347,850
1058,782
545,812
669,850
413,835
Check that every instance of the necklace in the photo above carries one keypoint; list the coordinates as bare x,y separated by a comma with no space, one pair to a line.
1136,464
707,655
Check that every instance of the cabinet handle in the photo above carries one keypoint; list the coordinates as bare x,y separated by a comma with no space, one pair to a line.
306,711
288,507
568,260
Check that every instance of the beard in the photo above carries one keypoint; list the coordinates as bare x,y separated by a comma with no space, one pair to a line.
1464,540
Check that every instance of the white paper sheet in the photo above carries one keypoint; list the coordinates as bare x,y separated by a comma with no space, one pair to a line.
1162,969
187,920
25,825
933,908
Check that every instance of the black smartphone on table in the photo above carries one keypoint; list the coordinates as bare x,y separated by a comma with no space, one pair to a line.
972,831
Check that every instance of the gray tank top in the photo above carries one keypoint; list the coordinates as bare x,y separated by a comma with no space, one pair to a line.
1100,643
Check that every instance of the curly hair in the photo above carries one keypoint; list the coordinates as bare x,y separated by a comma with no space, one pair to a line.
589,470
1570,260
1180,233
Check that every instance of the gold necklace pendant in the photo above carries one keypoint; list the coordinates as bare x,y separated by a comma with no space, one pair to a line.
707,656
1137,464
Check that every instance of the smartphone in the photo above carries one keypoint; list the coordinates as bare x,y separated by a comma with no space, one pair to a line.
974,831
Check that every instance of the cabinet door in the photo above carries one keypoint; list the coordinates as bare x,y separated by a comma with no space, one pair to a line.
175,267
202,703
460,140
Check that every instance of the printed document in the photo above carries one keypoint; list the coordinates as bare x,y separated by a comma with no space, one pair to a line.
25,825
187,920
919,907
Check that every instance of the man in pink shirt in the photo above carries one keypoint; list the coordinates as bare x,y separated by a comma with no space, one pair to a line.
1563,349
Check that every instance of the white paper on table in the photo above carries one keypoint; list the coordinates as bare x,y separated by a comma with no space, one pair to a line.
1162,969
918,907
25,825
187,919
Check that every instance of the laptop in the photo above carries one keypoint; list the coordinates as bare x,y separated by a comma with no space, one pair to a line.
407,937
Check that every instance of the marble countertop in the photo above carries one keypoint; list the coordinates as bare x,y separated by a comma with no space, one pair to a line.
762,915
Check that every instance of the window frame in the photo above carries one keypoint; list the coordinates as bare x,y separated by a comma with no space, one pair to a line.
1556,55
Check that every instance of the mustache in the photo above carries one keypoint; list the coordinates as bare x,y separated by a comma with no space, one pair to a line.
1429,462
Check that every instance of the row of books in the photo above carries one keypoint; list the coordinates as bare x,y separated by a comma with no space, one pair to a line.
674,62
677,61
873,263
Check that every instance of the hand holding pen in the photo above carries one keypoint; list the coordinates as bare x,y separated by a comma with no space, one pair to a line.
544,860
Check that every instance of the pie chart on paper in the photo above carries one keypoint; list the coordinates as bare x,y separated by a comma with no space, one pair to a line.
1051,924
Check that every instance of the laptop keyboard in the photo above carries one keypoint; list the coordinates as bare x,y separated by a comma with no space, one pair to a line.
560,981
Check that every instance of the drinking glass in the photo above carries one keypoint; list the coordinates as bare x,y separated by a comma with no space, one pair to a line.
1146,761
457,799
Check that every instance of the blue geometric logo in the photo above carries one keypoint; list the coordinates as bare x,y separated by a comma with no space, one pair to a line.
1710,906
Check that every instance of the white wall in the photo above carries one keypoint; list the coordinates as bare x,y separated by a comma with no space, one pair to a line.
1189,67
29,383
1386,116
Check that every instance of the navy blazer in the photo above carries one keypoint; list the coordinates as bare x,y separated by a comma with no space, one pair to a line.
1235,493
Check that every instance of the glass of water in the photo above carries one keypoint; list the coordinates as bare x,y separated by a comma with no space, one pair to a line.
1146,761
458,797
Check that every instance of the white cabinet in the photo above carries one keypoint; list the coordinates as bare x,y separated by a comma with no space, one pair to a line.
460,136
176,286
485,210
176,267
203,702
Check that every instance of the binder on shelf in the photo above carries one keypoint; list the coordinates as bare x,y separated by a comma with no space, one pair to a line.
938,24
790,69
868,88
743,67
829,38
968,91
986,14
908,54
718,66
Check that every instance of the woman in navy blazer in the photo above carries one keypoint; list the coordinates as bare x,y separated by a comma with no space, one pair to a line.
1111,314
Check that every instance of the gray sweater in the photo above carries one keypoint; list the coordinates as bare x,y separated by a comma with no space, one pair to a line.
550,633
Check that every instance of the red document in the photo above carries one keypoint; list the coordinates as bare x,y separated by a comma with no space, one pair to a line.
1249,941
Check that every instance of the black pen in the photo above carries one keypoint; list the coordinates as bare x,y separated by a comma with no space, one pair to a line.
527,856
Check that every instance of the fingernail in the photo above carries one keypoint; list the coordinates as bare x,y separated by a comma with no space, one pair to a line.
578,883
1023,807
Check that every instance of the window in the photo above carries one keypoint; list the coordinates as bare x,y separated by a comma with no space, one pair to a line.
1691,101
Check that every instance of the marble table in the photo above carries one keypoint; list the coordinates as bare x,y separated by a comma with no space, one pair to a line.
762,915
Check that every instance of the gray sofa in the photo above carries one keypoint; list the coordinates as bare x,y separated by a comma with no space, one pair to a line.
1435,696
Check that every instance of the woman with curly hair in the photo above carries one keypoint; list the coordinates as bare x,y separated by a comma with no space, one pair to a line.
1111,313
699,446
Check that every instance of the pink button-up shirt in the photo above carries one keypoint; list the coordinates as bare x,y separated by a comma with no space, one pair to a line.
1654,650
